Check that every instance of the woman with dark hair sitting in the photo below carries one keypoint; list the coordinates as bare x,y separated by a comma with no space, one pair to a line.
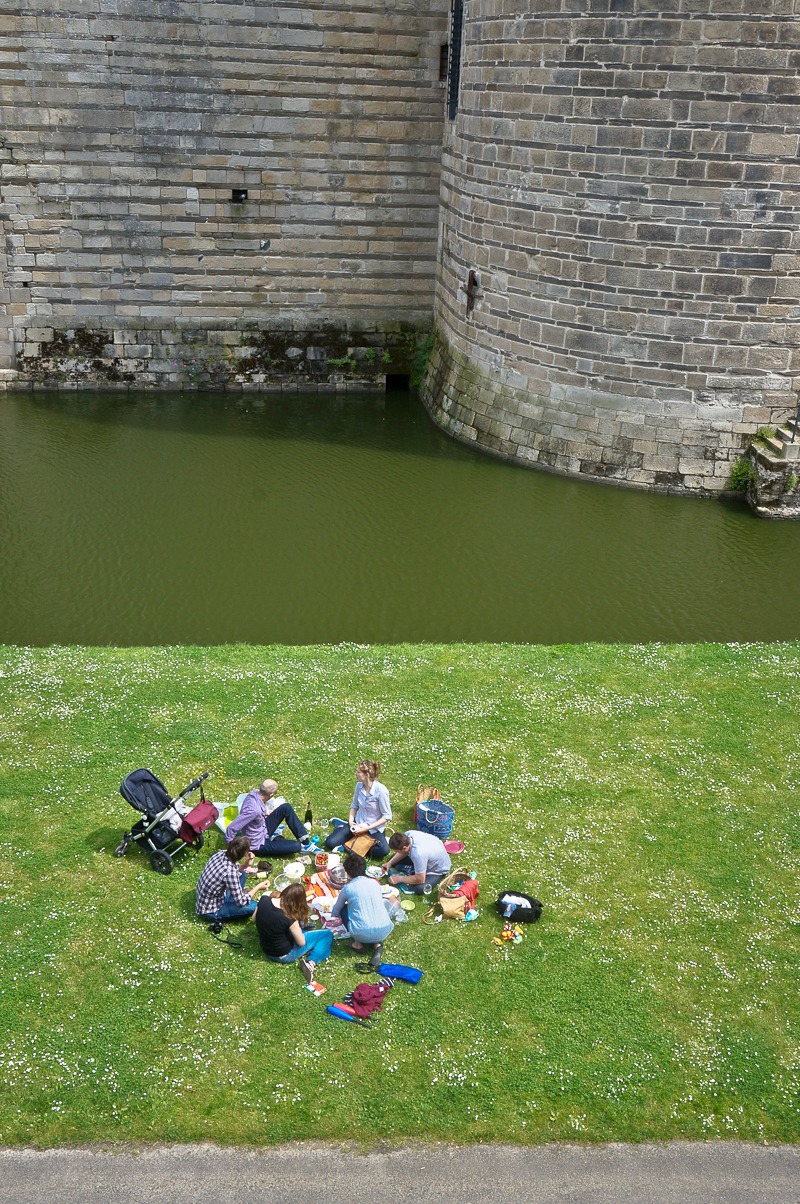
361,908
220,888
279,923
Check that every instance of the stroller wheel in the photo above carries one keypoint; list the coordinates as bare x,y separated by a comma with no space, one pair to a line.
161,862
198,841
121,849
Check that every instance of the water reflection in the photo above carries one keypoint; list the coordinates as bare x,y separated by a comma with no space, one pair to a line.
188,518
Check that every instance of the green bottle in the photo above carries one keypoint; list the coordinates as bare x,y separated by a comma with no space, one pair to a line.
309,818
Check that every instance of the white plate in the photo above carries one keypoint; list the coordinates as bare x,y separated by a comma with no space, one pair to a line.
333,860
294,870
374,871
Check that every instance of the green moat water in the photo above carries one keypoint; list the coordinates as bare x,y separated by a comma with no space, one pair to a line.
213,519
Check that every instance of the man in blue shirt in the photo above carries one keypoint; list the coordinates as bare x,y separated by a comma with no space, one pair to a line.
259,816
419,860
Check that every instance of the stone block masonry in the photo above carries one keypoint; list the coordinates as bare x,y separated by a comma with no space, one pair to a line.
622,179
251,195
130,132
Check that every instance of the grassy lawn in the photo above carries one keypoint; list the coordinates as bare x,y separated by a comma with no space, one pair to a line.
647,795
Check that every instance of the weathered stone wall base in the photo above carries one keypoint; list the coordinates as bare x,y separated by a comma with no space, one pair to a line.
773,492
636,441
207,356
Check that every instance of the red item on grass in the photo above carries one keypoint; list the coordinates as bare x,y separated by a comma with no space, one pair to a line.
469,889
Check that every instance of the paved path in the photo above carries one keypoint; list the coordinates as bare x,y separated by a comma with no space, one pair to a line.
680,1173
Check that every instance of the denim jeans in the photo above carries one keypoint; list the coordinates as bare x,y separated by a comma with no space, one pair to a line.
407,868
340,835
317,948
230,910
366,936
279,846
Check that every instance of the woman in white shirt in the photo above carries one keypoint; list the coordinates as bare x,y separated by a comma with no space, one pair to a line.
370,811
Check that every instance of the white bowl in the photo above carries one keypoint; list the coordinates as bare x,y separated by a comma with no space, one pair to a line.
294,870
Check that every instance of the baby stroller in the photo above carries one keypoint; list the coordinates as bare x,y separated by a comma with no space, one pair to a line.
168,824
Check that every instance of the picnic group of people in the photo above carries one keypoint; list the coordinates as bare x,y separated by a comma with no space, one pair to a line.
412,860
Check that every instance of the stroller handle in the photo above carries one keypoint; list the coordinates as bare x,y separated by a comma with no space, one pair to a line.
187,790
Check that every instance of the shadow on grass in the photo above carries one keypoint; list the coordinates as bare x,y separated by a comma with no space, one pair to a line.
103,838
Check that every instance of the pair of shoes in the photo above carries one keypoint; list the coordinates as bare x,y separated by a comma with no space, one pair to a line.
337,823
309,846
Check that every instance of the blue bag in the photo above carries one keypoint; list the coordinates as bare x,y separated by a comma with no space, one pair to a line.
403,973
435,817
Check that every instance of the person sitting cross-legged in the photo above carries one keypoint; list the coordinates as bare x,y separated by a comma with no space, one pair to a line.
370,811
419,860
258,818
220,887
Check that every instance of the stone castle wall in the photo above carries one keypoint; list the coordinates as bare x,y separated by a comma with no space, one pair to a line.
622,178
124,128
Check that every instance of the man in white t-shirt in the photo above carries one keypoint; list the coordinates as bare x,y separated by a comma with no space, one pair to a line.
418,860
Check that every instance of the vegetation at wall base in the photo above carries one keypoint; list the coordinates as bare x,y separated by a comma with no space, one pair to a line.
646,794
741,475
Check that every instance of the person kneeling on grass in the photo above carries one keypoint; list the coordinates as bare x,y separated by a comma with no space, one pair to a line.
419,860
220,888
361,908
282,938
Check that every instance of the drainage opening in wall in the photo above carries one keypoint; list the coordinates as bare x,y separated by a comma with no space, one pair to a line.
397,382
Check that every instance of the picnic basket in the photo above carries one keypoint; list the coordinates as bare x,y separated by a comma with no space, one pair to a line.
445,899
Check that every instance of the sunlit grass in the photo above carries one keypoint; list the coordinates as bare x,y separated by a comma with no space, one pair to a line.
647,795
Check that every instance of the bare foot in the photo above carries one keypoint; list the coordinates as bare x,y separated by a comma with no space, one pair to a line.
356,945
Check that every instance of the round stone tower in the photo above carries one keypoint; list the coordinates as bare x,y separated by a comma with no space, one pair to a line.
618,284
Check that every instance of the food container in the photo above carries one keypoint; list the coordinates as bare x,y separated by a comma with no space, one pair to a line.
294,871
337,876
374,871
281,882
321,861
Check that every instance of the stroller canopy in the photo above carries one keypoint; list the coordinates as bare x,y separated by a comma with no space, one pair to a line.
145,792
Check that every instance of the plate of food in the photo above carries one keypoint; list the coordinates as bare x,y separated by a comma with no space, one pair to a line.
294,870
374,871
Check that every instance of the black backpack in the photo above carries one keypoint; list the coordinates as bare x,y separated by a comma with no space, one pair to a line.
516,913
